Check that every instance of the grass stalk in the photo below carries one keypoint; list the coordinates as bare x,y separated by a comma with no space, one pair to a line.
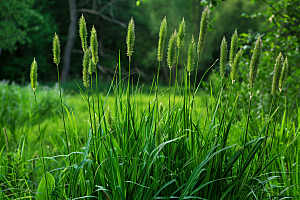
62,111
246,132
157,110
99,118
91,122
175,85
195,80
41,142
169,117
94,112
128,103
267,131
274,128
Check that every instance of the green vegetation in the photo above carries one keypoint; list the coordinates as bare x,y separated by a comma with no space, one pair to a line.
128,145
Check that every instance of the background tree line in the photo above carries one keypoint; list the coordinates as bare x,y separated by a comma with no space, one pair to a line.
27,28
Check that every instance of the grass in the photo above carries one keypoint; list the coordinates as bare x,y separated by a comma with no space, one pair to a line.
126,144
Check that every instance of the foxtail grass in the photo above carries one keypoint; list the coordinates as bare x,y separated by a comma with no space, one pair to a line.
281,76
56,59
130,43
204,23
180,42
160,55
33,79
171,61
255,59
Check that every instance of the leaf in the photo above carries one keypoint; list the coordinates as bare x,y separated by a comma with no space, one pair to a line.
43,190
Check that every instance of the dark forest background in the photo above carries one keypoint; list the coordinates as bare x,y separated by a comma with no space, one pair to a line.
27,28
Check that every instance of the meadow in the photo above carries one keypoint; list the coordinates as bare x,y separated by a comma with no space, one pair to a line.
175,142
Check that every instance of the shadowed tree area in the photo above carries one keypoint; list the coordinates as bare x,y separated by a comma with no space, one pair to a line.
33,32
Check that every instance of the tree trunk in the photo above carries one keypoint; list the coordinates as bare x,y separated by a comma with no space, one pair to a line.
100,41
0,51
70,41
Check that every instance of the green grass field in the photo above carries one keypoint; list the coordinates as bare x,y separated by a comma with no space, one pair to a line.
175,142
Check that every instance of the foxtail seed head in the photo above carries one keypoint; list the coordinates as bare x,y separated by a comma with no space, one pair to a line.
56,49
83,32
162,38
181,34
233,47
130,38
203,30
85,65
235,66
172,50
33,74
94,46
276,76
283,75
223,57
191,55
255,62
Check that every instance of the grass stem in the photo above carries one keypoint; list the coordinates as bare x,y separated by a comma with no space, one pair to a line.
41,142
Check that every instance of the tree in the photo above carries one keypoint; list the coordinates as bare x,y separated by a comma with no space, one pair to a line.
95,8
70,40
14,23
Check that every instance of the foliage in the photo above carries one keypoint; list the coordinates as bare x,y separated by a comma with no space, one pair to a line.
54,17
40,21
282,35
15,23
18,107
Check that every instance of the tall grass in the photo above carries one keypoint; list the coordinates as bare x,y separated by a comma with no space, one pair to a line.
172,149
